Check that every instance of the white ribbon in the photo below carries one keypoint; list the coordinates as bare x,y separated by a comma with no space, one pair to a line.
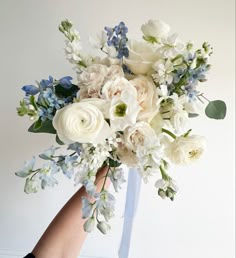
132,198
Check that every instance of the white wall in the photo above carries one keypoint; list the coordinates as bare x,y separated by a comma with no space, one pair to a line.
200,223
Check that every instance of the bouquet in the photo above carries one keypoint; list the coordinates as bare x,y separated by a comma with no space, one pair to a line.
131,105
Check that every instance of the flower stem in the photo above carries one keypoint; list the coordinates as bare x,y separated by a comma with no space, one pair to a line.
169,133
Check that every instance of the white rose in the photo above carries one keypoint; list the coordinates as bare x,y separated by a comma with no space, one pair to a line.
126,155
141,58
146,96
141,134
156,29
116,87
81,122
114,71
184,150
91,81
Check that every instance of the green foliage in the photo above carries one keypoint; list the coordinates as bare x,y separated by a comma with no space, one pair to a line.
62,92
113,163
216,109
23,109
59,141
42,127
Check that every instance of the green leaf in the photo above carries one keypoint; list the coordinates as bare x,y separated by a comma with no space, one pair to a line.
113,163
216,109
62,92
59,141
46,127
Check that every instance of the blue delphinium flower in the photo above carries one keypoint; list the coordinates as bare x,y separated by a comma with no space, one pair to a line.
75,147
27,169
46,83
66,82
118,39
68,165
49,153
46,174
30,90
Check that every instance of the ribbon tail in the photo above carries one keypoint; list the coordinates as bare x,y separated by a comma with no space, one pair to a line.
132,198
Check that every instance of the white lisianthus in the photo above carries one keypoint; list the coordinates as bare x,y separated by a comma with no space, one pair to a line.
146,96
157,123
155,30
81,122
194,106
141,134
141,58
184,150
116,87
124,110
91,81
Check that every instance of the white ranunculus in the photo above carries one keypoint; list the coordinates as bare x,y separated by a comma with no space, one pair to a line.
116,87
141,134
91,80
146,96
124,109
156,29
81,122
184,150
102,104
141,58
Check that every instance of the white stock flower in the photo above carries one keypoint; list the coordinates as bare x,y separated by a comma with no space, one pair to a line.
141,58
91,80
72,51
184,150
163,69
124,110
140,134
156,29
172,47
81,122
146,96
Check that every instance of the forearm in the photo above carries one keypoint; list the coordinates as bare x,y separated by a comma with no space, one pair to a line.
65,235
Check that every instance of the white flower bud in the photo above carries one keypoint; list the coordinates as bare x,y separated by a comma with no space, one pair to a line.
89,225
103,227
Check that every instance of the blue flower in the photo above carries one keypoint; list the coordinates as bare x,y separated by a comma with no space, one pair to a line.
75,147
46,174
117,38
49,153
46,83
27,169
68,165
30,90
66,82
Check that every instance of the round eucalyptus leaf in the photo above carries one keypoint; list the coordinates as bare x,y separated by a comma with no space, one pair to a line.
216,109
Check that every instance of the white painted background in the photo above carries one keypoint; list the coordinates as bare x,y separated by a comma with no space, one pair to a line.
200,223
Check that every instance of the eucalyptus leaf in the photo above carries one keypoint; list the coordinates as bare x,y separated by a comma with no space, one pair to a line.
113,163
46,127
216,109
59,141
